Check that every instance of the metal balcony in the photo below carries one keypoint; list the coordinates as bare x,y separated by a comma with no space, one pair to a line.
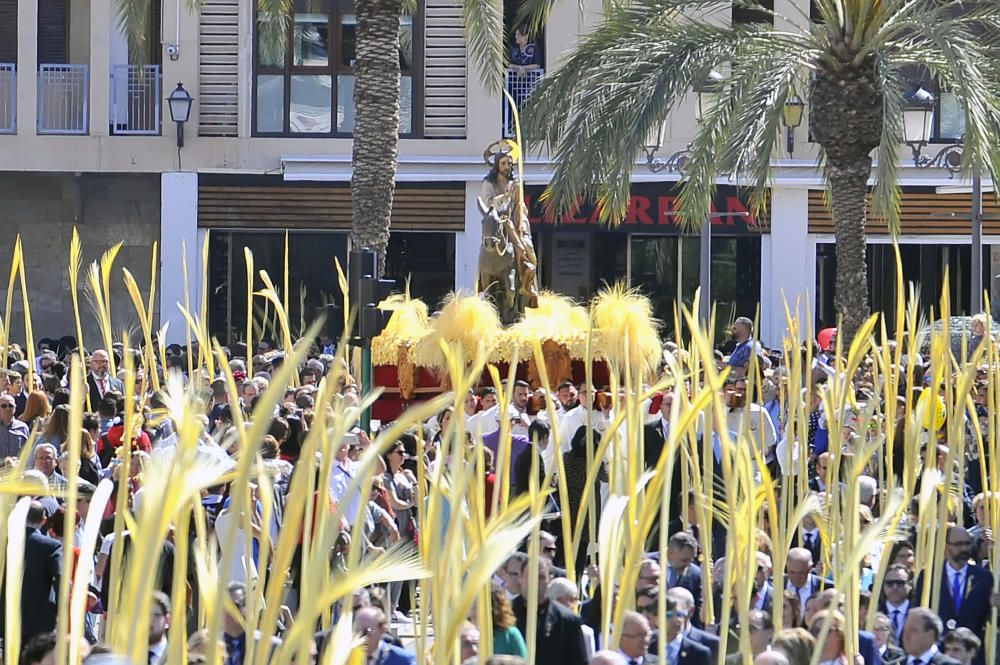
8,98
135,100
520,87
63,99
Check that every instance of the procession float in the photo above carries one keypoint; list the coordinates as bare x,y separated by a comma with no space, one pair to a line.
545,336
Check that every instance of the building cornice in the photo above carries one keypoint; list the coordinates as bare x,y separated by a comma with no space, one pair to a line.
793,174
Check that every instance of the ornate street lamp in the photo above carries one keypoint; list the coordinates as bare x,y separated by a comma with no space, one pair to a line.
791,117
918,121
709,92
179,103
918,118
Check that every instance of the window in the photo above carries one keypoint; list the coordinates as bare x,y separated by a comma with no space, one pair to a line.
526,56
948,124
307,87
744,14
427,260
310,289
735,275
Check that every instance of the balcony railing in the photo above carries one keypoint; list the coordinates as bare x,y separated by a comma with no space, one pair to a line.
8,98
63,99
135,100
520,86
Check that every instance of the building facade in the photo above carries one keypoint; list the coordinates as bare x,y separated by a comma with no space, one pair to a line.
86,140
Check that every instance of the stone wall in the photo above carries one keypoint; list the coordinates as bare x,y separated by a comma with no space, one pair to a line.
106,209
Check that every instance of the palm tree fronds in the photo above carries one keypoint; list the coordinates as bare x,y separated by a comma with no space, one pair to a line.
485,31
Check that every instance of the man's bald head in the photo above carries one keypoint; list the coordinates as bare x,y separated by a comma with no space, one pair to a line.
798,565
800,554
370,623
607,657
771,658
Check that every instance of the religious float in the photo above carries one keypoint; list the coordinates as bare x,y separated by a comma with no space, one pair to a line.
507,319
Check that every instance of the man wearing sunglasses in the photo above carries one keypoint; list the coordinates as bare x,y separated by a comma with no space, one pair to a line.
896,588
677,648
13,432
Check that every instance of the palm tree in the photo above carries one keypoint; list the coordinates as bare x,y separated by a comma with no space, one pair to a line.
376,87
376,123
857,64
376,104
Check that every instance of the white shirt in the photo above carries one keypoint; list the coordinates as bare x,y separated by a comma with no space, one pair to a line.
804,593
925,657
628,661
341,476
158,650
962,573
891,609
813,537
759,425
672,652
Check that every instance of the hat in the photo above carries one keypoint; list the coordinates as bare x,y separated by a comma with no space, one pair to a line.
20,366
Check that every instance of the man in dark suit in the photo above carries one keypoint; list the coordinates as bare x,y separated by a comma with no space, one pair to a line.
888,649
761,632
370,623
801,580
99,381
808,537
42,566
921,633
159,624
559,640
896,587
966,590
234,634
678,649
683,601
681,569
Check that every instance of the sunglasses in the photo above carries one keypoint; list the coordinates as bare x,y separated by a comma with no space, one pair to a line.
6,406
895,582
648,610
675,614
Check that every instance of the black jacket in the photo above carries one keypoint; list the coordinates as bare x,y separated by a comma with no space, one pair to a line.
559,639
42,568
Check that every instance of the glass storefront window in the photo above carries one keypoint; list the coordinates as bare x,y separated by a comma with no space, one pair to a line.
312,277
735,275
427,260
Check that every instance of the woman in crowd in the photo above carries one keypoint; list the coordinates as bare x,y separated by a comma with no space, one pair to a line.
36,409
57,427
507,639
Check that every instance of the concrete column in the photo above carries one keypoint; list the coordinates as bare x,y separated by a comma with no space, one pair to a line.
467,242
787,277
27,66
179,238
100,68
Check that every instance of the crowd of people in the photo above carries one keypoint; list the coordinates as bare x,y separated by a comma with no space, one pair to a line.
572,626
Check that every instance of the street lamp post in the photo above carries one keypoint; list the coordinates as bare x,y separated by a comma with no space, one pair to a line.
708,93
918,117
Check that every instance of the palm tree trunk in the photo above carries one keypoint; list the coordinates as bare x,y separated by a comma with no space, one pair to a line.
848,203
846,119
376,123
